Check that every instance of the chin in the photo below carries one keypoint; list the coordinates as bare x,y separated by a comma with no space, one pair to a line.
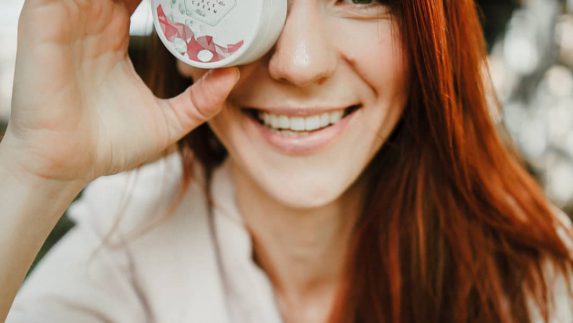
304,196
299,182
298,186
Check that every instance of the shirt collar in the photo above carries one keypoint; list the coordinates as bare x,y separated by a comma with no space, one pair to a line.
249,290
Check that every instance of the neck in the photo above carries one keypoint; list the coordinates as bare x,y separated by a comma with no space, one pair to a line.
302,250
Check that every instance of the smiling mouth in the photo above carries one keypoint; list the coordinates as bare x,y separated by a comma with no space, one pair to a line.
298,125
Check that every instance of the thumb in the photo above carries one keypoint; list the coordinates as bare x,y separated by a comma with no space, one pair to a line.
201,101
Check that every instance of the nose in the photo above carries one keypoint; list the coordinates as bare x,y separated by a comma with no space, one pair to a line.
303,55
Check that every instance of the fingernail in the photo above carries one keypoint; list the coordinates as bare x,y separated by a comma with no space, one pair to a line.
223,72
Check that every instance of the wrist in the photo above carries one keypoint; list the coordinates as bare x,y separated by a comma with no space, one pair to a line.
13,165
31,206
17,182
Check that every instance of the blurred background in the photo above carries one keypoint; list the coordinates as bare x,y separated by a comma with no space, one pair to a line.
531,64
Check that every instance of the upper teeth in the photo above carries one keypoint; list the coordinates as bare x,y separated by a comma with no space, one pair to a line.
299,123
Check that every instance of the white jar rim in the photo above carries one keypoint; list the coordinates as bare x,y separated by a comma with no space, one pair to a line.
218,33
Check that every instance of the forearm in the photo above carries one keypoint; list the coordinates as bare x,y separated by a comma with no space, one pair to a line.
29,209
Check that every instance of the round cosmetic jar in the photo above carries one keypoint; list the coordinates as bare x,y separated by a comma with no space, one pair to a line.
218,33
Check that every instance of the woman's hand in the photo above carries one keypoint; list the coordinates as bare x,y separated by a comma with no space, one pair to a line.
79,109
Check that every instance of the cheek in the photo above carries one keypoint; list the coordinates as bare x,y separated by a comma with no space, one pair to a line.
374,50
225,125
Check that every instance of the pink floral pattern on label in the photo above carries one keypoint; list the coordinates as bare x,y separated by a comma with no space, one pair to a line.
195,46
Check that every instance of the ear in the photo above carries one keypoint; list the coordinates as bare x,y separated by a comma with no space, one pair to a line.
190,71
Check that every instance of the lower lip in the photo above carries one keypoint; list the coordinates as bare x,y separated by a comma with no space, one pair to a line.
308,144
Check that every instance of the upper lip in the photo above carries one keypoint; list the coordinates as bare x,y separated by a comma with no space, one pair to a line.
300,112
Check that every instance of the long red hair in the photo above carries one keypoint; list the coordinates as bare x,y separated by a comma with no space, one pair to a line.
453,228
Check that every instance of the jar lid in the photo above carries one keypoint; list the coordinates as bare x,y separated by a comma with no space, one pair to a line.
218,33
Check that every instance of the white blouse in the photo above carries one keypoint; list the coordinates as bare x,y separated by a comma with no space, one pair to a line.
186,267
178,268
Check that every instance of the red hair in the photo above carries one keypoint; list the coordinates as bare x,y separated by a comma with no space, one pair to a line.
453,228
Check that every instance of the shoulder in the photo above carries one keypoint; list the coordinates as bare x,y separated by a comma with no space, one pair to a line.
564,228
559,296
559,283
169,269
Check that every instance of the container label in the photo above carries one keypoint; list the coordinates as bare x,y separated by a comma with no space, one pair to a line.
207,11
189,35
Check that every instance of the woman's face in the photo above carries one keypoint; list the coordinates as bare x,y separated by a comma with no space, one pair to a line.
332,57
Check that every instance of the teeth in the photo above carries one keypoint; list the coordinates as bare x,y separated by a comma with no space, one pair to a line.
284,122
299,123
296,124
275,122
325,120
312,123
335,116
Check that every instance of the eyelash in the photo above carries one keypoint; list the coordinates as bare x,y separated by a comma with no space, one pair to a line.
365,7
373,3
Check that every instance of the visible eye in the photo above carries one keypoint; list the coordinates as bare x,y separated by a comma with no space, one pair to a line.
366,8
365,2
362,1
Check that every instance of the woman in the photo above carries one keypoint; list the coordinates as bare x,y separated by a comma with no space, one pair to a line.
405,207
